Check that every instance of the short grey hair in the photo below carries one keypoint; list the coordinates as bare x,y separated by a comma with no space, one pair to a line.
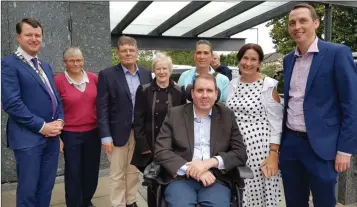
72,51
162,58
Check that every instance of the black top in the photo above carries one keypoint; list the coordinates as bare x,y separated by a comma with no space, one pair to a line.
225,71
149,115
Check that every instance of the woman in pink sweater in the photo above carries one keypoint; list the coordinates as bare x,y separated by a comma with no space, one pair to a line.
80,138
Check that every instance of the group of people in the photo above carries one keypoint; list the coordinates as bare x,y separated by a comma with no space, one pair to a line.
198,136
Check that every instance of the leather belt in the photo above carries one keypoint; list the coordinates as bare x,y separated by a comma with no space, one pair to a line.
302,135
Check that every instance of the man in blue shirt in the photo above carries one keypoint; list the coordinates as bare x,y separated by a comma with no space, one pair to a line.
203,57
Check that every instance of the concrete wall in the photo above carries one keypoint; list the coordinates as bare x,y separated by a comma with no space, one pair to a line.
90,30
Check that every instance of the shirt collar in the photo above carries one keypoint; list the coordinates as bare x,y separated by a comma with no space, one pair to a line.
25,54
313,48
70,80
126,69
195,116
211,70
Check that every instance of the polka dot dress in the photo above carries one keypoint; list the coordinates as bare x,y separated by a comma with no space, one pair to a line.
254,126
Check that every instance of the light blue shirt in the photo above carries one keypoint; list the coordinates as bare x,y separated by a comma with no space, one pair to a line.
221,80
133,81
202,146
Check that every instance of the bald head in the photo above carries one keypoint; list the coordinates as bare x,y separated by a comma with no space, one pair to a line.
215,60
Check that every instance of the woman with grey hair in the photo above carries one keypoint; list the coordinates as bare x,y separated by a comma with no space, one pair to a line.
80,139
152,102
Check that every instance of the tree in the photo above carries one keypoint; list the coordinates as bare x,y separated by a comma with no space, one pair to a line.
344,28
229,59
181,57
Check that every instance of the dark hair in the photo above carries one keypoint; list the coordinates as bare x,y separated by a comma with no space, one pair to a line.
309,7
204,42
254,47
206,77
33,22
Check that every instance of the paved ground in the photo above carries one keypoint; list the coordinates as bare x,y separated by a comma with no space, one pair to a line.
101,198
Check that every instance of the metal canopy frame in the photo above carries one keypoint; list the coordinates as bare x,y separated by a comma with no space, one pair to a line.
222,38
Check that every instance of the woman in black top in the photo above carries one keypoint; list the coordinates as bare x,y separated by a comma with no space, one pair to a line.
152,102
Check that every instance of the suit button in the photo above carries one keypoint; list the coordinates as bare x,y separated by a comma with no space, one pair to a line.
156,127
131,110
157,101
167,102
156,114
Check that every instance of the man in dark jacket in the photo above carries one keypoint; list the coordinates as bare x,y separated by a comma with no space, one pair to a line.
216,65
199,147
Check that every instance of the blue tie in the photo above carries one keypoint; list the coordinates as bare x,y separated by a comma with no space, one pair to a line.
47,86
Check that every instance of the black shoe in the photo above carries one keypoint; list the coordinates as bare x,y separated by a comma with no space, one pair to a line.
132,205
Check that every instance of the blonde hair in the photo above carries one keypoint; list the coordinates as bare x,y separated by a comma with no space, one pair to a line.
162,58
72,51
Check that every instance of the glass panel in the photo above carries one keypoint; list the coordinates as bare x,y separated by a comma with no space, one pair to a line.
251,13
153,16
207,12
117,11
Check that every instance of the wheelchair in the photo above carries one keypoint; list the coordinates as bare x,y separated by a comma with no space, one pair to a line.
152,171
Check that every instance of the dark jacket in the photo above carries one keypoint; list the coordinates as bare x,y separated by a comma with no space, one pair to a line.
148,117
114,105
225,71
174,146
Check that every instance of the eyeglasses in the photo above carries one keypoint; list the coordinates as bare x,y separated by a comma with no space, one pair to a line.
74,61
131,51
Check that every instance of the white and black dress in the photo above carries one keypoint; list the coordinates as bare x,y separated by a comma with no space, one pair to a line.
253,123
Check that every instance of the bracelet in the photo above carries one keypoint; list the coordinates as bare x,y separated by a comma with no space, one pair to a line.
274,150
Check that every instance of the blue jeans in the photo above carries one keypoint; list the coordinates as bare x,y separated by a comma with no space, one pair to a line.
188,193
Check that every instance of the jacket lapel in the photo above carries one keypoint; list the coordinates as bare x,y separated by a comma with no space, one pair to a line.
188,116
215,126
315,65
122,81
32,72
290,61
141,76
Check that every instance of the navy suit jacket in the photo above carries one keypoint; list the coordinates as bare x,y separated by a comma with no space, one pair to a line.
330,103
114,105
27,102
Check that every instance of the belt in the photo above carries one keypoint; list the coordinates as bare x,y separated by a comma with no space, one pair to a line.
302,135
132,126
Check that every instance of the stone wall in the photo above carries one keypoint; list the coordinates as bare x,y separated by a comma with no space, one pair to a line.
83,24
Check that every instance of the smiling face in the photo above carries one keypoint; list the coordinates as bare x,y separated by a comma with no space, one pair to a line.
74,64
250,63
203,56
302,27
30,39
162,71
204,94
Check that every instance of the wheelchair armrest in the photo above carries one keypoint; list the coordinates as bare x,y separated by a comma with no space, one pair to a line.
245,172
151,171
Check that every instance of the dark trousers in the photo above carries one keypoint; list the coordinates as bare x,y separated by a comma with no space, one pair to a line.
36,172
303,170
82,158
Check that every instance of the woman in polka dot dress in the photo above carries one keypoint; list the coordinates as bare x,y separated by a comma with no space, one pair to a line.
256,103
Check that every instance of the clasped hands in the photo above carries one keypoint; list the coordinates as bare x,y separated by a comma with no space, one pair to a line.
52,129
199,170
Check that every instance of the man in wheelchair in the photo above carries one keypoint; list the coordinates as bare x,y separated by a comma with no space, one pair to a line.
199,149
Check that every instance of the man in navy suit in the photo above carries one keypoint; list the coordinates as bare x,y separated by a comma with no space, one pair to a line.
117,87
320,119
30,98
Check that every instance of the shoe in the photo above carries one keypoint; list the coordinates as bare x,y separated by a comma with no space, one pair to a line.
132,205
